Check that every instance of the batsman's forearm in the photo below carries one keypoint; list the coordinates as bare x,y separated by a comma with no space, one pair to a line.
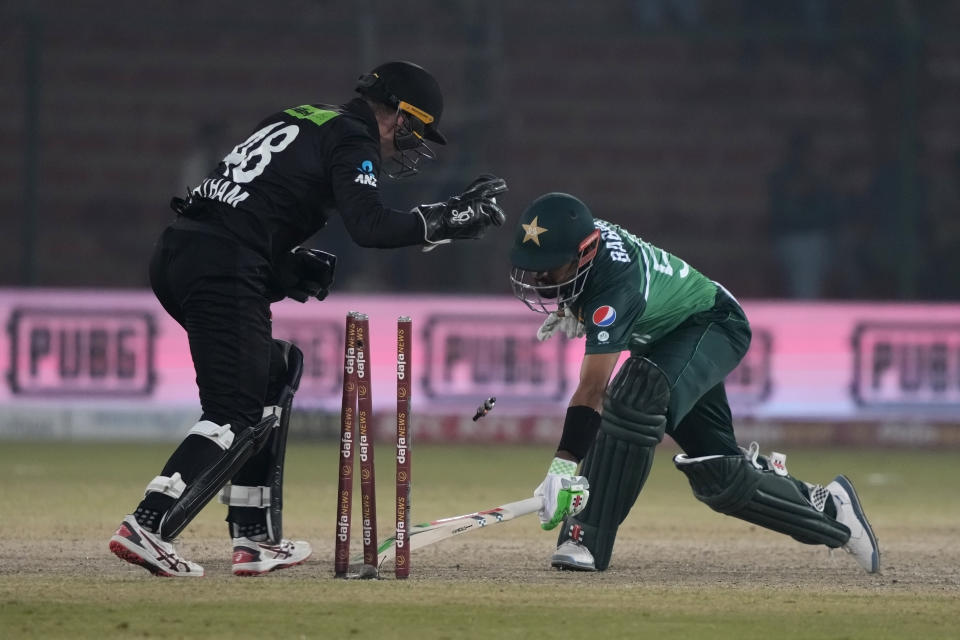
588,397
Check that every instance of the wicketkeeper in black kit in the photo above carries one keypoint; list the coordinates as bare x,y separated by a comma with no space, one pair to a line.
685,334
232,250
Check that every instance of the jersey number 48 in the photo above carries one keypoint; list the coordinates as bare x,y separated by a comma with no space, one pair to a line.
250,158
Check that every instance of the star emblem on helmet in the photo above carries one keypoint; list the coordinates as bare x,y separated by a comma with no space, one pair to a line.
532,231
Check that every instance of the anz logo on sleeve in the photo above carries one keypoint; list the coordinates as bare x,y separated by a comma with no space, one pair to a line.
366,175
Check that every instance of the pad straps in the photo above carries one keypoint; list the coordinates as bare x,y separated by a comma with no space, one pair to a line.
221,435
172,486
240,496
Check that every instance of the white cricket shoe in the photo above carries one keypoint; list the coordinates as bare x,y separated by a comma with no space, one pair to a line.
251,558
572,556
862,544
138,546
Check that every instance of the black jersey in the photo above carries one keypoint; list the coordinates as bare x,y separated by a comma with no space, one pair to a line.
298,168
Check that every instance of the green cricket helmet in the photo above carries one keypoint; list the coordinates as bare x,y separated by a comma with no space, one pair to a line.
555,231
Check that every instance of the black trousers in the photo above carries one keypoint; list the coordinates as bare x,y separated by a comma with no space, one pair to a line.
696,357
217,290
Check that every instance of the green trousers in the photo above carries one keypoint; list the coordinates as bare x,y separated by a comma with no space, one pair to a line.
696,357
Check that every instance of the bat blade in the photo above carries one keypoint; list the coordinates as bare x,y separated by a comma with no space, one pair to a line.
427,533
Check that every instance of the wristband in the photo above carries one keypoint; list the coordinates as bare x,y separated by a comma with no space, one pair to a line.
579,430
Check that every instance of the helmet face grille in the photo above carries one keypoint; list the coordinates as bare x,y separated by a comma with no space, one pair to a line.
411,148
406,162
543,298
531,288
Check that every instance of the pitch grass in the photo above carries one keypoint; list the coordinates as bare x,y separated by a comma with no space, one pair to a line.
83,608
71,493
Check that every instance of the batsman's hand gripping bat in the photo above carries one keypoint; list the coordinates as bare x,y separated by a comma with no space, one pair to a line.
428,533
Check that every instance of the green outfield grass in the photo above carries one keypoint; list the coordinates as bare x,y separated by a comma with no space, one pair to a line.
60,503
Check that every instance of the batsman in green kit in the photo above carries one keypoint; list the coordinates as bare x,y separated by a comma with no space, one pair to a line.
685,333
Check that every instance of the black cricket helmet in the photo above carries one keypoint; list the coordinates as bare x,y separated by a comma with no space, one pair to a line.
411,89
554,232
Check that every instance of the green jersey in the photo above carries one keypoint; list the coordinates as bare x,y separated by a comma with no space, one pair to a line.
636,293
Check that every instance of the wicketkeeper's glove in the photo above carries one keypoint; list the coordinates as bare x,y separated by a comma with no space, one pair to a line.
564,493
305,273
465,216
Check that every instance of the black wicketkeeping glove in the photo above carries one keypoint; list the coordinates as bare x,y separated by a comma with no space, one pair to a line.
465,216
306,273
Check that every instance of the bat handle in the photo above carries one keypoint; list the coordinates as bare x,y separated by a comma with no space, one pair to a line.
485,408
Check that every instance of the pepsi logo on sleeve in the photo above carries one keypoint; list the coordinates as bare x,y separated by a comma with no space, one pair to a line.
604,316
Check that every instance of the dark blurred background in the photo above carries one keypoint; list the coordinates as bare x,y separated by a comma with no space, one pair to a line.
789,149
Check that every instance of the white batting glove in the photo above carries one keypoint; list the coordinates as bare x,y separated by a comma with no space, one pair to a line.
564,493
566,323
